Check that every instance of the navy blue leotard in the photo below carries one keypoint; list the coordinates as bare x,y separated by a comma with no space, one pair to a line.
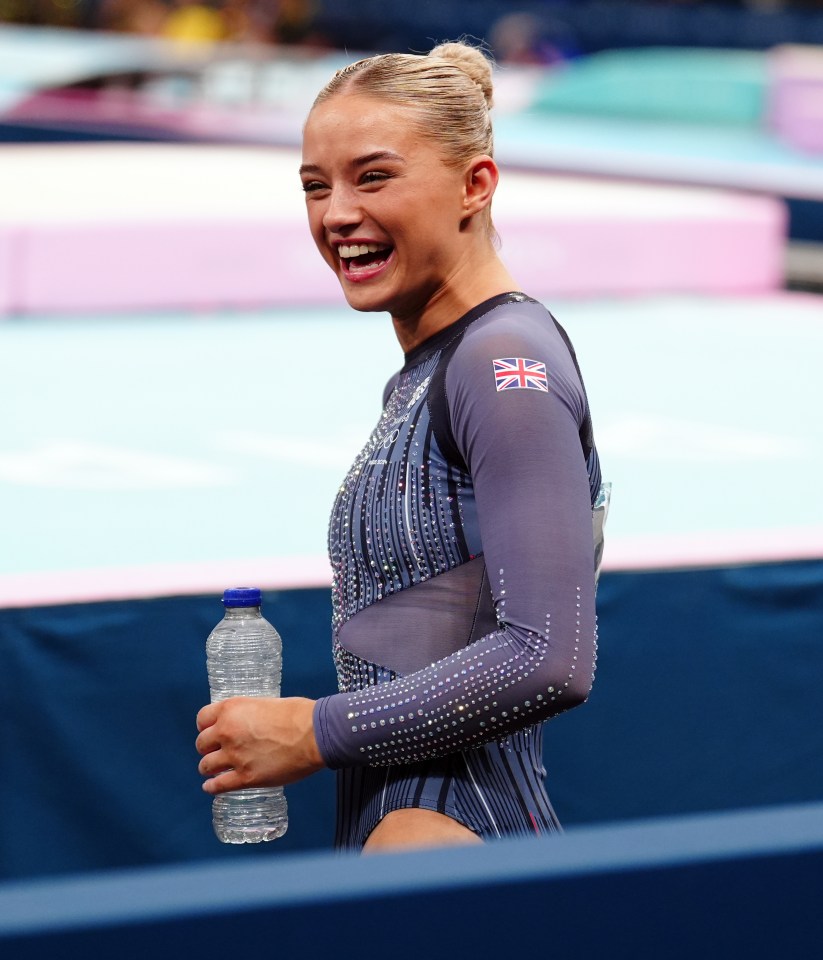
463,591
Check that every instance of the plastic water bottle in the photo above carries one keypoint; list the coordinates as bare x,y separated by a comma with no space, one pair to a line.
244,659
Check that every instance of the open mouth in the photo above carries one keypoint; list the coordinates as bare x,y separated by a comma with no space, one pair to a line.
362,258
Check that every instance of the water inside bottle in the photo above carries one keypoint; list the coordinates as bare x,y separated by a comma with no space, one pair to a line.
249,668
250,816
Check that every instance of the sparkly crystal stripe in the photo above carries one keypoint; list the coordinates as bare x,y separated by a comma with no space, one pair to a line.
402,515
354,673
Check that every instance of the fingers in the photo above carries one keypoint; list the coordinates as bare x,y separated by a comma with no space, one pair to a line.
216,744
220,775
230,780
207,741
214,763
208,715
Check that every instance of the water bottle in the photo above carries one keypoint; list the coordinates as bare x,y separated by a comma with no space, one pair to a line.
244,659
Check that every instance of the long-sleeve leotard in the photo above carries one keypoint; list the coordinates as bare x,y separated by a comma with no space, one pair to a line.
461,547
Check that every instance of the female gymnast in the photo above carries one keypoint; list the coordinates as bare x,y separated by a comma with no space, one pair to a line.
461,539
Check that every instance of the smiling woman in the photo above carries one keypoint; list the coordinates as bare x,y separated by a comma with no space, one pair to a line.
403,217
461,538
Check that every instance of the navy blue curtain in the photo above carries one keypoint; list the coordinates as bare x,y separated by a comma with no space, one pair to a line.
97,732
707,697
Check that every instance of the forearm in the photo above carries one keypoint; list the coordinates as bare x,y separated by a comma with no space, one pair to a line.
506,681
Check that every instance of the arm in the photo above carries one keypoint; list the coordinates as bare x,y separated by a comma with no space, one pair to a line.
532,492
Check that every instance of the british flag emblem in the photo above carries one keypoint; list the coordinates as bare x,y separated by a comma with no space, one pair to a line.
517,373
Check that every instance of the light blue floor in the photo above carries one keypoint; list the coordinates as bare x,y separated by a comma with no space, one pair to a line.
132,440
714,155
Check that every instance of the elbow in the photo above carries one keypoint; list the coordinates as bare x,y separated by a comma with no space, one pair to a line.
562,677
577,693
568,689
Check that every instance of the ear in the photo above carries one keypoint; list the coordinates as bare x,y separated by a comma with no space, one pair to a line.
479,184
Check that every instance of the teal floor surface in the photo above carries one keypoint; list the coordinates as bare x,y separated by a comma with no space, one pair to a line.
176,439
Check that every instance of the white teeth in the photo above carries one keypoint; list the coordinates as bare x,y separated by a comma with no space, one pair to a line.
347,251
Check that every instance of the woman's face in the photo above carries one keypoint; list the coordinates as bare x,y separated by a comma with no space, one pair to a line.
384,209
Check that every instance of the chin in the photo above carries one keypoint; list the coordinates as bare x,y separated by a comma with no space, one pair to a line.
365,301
363,307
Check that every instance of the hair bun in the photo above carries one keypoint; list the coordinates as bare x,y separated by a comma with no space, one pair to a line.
472,61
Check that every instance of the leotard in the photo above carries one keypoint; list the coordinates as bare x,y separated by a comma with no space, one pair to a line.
463,584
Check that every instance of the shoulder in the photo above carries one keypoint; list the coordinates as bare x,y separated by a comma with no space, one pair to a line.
523,324
522,339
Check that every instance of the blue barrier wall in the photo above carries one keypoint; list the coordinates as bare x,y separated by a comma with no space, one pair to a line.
708,697
732,885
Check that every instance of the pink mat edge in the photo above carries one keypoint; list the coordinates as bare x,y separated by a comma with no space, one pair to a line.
625,554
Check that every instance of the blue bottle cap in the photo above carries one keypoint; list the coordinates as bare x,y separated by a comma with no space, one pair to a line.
242,597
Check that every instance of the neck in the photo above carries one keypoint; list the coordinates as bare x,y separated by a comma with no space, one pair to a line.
470,285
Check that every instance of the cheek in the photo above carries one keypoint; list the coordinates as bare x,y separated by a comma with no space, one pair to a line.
315,218
318,233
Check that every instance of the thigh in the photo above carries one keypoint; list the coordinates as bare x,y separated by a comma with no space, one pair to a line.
413,828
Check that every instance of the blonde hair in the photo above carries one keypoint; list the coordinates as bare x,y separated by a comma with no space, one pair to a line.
449,90
449,93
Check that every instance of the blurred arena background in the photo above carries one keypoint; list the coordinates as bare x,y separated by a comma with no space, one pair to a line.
172,354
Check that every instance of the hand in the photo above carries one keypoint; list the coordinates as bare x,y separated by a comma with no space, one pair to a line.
256,742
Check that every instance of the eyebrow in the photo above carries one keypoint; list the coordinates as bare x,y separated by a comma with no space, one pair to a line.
378,155
358,161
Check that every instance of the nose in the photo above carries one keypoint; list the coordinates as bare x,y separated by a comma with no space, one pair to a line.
342,209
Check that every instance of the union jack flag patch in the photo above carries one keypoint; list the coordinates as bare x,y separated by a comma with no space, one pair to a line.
517,373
